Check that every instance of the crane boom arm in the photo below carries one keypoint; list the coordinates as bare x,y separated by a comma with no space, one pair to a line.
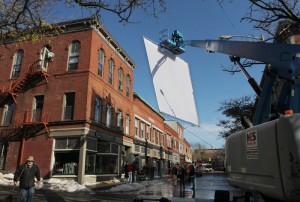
284,57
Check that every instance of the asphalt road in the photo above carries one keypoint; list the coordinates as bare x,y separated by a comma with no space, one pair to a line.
204,192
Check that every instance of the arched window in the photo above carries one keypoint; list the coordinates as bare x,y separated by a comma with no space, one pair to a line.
17,63
127,85
121,75
100,61
74,51
111,71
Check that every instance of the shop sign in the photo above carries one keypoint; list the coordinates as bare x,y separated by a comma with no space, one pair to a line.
109,138
139,142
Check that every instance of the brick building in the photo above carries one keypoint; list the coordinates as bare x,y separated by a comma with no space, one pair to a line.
68,100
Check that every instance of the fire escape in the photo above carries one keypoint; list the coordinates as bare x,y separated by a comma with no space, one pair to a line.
26,123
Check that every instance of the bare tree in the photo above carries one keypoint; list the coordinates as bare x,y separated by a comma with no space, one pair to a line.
34,16
235,110
278,19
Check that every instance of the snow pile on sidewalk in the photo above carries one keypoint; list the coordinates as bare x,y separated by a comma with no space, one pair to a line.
52,184
6,179
72,186
132,186
62,185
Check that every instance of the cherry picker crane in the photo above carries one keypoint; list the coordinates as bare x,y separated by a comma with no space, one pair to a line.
263,159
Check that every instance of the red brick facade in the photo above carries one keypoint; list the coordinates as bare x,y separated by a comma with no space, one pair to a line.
43,138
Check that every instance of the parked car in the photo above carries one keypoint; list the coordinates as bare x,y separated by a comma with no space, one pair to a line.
207,168
198,171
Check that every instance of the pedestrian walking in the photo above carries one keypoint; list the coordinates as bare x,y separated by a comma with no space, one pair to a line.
134,172
192,176
174,175
126,170
130,170
25,175
181,175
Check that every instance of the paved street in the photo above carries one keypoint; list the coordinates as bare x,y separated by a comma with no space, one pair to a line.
204,192
205,189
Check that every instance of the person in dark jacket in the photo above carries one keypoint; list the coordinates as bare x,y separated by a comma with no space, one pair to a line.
26,173
192,175
174,175
181,175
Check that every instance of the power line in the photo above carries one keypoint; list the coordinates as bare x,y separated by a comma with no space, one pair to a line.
185,128
223,10
171,118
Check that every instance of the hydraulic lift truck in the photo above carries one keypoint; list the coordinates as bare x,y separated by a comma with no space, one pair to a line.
264,159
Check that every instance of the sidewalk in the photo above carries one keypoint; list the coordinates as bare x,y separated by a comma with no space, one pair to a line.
106,185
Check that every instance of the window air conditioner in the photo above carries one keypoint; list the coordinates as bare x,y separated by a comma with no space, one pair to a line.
50,55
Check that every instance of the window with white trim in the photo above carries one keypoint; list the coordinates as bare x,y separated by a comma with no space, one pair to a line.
148,132
127,85
74,51
108,115
127,122
120,118
111,71
142,134
98,110
136,127
100,61
121,75
17,63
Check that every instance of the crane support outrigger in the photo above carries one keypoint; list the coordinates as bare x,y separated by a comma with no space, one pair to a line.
263,159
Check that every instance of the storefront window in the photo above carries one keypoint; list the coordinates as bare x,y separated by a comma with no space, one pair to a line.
90,163
114,148
66,163
3,152
103,147
107,158
91,144
107,164
66,156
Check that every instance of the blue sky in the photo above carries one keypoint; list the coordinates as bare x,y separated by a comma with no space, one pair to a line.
196,19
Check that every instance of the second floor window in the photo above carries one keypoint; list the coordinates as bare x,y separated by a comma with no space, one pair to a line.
17,63
8,113
120,118
136,127
74,51
98,105
108,115
38,108
100,62
127,124
148,132
169,143
111,71
142,135
69,106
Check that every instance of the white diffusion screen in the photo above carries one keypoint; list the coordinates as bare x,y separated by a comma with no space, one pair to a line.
172,83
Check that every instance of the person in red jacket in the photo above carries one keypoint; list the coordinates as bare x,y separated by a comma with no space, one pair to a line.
26,173
130,170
